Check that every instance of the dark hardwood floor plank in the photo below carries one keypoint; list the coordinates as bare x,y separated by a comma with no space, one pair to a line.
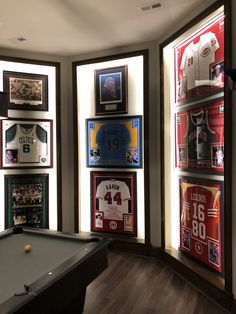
135,284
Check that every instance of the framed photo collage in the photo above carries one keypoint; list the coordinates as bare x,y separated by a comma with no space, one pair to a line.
199,142
26,143
113,142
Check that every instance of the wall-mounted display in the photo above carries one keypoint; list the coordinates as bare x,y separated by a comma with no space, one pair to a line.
113,202
26,143
26,200
200,137
111,90
201,220
114,142
197,61
26,91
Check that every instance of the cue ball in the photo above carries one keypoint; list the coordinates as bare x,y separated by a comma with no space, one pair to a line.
27,248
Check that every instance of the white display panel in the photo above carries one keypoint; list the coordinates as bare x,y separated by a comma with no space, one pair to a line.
50,71
86,109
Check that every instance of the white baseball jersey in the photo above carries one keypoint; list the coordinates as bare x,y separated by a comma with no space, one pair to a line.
113,198
197,58
29,146
207,46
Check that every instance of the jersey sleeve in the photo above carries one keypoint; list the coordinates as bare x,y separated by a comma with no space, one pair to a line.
126,138
100,190
184,60
100,136
125,192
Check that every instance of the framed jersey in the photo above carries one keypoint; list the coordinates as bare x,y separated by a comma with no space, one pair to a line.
200,137
201,220
114,142
26,143
26,200
199,62
26,91
113,202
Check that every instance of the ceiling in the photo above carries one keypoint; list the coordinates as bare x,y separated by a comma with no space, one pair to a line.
73,27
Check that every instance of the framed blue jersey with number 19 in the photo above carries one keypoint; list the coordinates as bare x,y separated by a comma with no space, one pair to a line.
114,142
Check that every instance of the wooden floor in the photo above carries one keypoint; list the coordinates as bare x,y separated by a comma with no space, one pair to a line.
142,285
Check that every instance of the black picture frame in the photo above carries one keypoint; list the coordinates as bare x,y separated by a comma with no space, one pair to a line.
26,91
111,90
26,143
114,142
26,200
114,202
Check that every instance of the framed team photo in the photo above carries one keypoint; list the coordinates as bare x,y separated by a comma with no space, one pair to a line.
114,142
26,91
26,200
200,137
113,202
111,90
201,221
195,58
26,143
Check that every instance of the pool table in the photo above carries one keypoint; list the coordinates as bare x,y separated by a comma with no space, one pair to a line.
53,277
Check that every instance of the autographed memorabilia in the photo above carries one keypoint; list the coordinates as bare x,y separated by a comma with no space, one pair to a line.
200,137
113,202
114,142
201,234
111,92
26,91
194,58
26,143
26,199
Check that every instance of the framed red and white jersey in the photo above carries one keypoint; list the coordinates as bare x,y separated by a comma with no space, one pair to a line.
113,202
201,220
199,62
200,137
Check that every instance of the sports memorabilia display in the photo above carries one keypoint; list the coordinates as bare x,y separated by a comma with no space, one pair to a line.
199,62
26,91
114,142
200,137
201,223
26,143
111,90
113,202
26,199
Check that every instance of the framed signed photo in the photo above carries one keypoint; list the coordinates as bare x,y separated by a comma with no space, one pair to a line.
201,220
111,90
26,200
200,137
113,202
217,73
26,143
114,142
26,91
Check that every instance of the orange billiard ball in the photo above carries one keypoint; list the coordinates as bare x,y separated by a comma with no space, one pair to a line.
27,248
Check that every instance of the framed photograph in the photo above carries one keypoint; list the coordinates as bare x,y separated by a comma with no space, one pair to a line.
26,143
26,91
114,142
195,59
201,221
200,137
113,202
26,200
111,90
217,74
